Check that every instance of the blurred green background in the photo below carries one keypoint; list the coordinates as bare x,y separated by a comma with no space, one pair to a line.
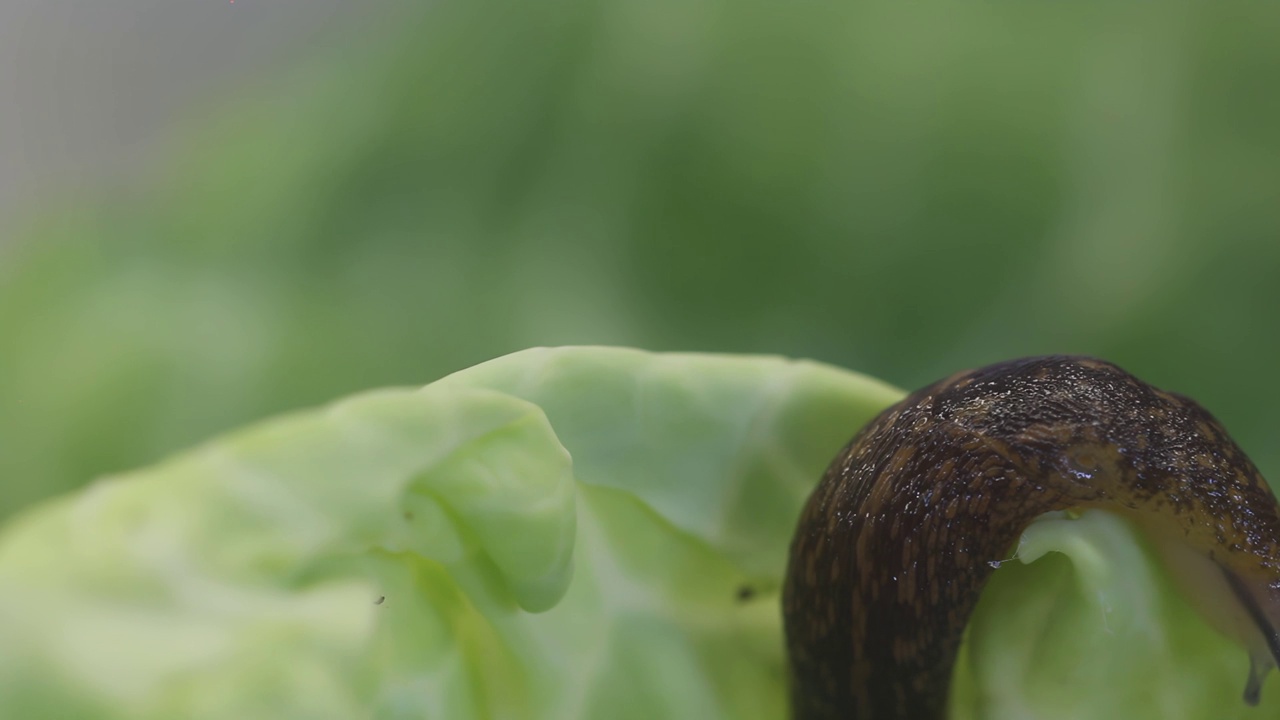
898,189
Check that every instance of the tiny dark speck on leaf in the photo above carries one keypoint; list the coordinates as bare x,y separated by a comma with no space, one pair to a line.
745,593
408,515
380,600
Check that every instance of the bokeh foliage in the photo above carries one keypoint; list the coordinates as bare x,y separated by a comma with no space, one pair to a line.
898,189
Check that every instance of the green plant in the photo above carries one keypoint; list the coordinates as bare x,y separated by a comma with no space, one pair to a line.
559,533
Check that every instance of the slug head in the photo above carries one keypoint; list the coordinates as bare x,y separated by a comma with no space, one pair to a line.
893,547
1111,441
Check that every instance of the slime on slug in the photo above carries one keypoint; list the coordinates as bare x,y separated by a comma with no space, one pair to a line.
897,541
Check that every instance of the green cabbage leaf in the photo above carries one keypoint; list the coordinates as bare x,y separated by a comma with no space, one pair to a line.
556,534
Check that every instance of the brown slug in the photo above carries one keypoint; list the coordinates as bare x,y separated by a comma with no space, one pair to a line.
895,544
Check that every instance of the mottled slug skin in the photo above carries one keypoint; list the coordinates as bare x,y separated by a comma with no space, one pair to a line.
892,549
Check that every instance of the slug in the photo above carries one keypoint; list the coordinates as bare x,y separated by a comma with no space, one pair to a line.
893,547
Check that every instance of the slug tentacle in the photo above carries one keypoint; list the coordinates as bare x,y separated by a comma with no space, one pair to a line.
896,543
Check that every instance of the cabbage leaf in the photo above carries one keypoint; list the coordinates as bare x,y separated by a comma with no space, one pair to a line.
558,533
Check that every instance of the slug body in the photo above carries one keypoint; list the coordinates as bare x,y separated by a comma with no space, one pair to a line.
894,545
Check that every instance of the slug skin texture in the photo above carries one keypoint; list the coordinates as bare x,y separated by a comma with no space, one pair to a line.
892,549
